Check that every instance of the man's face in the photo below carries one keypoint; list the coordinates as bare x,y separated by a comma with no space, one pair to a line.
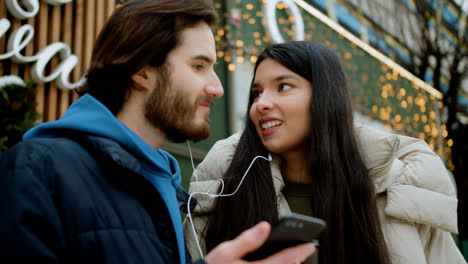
185,87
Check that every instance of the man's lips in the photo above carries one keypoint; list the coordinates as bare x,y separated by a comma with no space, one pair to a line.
205,101
206,104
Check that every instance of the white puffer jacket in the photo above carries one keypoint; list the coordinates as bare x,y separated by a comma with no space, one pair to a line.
415,196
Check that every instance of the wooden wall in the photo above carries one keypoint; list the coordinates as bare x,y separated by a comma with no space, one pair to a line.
77,24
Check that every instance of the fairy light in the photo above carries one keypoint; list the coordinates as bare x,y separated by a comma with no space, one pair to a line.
407,107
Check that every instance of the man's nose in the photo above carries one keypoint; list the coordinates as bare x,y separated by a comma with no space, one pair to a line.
215,88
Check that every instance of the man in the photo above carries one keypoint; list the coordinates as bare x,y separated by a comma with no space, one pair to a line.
95,186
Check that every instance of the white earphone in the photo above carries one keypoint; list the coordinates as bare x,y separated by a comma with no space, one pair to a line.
220,194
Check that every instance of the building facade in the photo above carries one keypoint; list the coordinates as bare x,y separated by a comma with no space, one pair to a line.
374,39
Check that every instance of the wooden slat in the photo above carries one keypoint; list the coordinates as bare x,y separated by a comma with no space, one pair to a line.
100,17
67,27
54,36
41,37
29,51
89,32
77,46
110,5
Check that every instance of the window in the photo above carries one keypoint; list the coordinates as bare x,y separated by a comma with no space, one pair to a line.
462,100
383,46
402,55
347,19
371,36
428,76
320,4
432,3
377,42
444,87
450,17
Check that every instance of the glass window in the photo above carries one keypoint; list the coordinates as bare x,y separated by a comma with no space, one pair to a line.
383,46
444,87
450,17
321,4
462,100
428,76
371,36
403,56
347,19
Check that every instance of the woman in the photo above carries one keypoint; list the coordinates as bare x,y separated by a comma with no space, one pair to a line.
385,198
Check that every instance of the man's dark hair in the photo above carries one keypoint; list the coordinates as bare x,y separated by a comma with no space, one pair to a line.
139,33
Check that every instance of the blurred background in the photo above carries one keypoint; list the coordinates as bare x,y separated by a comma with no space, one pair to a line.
406,61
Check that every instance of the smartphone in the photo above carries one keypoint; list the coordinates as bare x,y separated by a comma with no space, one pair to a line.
292,229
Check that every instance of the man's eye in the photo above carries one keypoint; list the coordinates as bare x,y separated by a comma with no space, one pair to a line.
198,66
285,87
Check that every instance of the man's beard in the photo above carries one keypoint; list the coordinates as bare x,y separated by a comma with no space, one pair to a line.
173,112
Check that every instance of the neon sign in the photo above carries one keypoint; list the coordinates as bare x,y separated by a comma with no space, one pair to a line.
22,36
269,11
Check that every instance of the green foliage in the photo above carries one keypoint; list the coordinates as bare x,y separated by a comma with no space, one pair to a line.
17,112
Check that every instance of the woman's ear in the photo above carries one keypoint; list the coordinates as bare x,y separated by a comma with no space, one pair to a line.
144,78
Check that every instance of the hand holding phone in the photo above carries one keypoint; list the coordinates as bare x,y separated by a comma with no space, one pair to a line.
292,229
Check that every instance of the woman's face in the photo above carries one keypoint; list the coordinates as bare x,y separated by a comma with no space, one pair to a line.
280,111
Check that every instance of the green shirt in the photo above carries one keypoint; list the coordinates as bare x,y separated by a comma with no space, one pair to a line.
299,198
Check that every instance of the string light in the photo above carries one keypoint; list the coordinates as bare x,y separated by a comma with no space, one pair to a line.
389,95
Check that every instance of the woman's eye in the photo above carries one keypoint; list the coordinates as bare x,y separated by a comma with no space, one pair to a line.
285,87
256,94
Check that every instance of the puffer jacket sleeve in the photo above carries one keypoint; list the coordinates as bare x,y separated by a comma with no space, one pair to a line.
423,185
420,204
424,192
440,246
30,225
206,179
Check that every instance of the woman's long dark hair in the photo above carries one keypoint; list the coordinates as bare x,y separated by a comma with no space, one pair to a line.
344,194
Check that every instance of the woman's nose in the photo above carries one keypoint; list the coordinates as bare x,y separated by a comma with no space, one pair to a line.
264,102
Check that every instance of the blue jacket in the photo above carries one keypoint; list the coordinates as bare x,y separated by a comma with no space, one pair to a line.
86,188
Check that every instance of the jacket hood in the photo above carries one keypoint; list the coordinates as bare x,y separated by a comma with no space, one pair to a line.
90,117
